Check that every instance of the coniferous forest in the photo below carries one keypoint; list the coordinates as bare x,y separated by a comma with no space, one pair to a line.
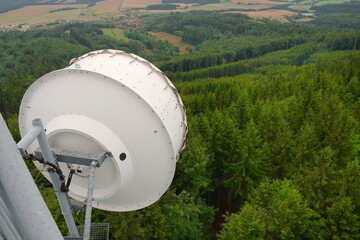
273,149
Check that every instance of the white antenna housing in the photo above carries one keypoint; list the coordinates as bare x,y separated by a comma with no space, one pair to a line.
111,101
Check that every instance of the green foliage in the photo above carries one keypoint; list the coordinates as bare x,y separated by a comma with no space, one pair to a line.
273,116
276,132
334,126
252,166
276,210
193,171
318,181
347,7
329,192
306,146
138,224
216,52
175,216
350,183
186,217
342,220
198,26
340,21
296,55
161,7
12,122
250,223
162,50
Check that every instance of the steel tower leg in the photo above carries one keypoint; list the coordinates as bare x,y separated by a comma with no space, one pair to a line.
23,212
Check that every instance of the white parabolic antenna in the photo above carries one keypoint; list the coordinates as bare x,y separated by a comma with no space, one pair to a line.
111,101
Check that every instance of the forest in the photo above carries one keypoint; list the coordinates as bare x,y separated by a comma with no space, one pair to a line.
273,149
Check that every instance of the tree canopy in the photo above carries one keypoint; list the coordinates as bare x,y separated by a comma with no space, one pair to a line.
273,146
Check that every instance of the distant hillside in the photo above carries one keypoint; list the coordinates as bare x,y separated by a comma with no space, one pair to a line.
280,10
8,5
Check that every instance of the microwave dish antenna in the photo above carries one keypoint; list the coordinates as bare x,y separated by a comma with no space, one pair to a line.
110,101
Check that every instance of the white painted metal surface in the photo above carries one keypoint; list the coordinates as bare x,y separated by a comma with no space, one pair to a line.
110,100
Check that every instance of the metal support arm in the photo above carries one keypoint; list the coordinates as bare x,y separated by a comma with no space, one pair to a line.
28,139
51,157
63,198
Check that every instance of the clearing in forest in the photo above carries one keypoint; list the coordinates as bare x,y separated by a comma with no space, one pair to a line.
116,33
304,19
174,40
272,14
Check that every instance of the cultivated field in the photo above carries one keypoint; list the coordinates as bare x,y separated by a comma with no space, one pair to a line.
108,6
252,8
42,14
139,3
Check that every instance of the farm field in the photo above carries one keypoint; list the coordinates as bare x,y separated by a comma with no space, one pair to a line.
108,6
42,14
139,3
175,40
252,8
